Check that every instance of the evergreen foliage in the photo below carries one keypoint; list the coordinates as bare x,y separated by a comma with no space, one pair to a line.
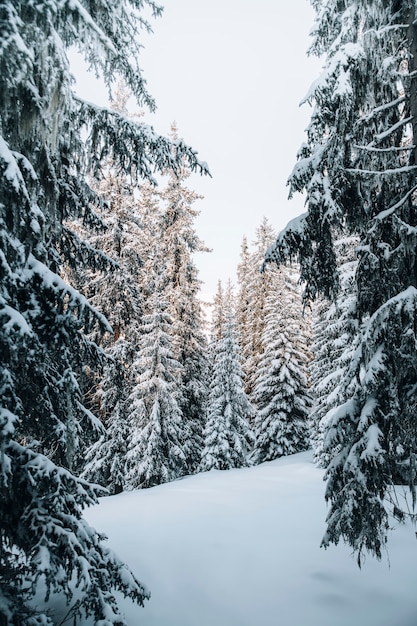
218,318
252,296
156,451
116,294
181,243
281,391
244,301
105,459
269,316
128,213
150,230
335,338
358,169
44,321
227,435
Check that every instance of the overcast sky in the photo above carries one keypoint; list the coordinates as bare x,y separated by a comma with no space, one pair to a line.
231,73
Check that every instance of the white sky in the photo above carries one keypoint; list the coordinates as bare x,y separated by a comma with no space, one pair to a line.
231,73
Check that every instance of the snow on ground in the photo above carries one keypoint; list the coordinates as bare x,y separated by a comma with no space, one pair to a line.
241,548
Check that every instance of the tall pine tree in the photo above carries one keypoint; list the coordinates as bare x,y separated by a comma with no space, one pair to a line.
227,435
43,321
181,242
254,287
156,451
281,391
122,295
358,169
335,337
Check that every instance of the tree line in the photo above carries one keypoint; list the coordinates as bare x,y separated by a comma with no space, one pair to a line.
174,396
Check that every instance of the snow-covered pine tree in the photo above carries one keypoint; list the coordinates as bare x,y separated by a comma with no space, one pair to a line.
156,450
243,300
218,314
253,291
335,334
116,294
43,321
105,459
281,392
181,242
358,169
228,438
121,296
148,219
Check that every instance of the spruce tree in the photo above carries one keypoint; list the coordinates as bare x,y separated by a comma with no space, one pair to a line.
156,451
244,302
44,321
358,169
154,228
281,393
180,243
227,436
105,459
258,288
122,296
117,294
218,317
335,335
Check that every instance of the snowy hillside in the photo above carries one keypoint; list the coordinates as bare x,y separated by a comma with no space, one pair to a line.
241,548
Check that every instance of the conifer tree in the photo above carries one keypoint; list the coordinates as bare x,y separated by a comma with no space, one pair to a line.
358,169
227,435
243,301
181,242
335,336
116,294
44,321
281,391
156,452
122,297
254,289
218,318
105,462
144,220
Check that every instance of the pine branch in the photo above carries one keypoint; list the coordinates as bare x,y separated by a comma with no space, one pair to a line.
140,153
395,170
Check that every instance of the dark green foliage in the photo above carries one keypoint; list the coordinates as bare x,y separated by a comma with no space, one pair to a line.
359,171
45,322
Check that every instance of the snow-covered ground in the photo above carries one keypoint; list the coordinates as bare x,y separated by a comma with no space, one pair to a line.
241,548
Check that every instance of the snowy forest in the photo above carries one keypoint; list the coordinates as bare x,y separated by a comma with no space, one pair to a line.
114,374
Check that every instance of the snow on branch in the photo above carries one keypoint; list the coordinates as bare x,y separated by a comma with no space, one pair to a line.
287,240
81,15
51,513
373,452
371,148
384,214
112,46
385,29
50,280
15,321
91,418
135,147
395,170
385,107
392,129
405,301
78,248
12,172
337,66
